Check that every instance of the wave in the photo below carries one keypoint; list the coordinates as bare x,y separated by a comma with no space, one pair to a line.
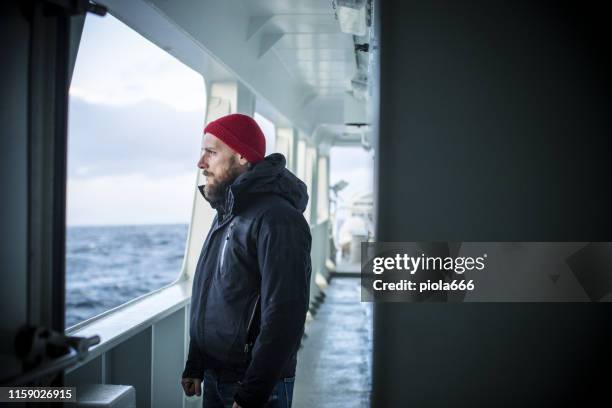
107,266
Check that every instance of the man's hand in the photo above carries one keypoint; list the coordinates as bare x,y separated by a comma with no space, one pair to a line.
236,405
192,386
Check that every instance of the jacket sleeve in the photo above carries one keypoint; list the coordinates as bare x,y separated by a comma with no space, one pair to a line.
283,251
194,367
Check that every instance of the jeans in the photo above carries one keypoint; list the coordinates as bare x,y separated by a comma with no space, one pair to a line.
219,394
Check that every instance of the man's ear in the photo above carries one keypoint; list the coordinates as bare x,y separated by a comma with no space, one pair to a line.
242,160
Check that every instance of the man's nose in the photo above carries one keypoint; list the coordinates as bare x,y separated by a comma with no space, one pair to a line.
202,162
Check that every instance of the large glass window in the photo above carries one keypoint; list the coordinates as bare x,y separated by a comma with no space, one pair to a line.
351,199
311,158
269,130
135,123
322,190
301,160
284,145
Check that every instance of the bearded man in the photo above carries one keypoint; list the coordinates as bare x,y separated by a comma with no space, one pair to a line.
251,286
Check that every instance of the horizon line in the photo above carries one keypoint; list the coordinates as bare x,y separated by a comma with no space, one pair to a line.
126,225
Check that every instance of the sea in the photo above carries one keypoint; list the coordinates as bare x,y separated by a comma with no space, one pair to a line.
107,266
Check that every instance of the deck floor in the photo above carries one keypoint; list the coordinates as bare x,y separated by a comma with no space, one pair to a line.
334,364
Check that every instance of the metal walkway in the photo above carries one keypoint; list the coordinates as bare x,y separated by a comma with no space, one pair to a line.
334,365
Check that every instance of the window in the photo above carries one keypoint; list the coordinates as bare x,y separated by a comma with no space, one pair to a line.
135,122
311,158
351,196
301,160
301,173
269,130
284,145
322,190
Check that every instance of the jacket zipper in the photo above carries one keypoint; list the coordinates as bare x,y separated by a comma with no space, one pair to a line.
208,280
225,244
250,342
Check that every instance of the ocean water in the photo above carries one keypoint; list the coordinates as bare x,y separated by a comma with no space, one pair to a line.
109,265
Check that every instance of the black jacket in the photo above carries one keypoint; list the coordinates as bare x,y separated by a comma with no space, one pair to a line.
259,245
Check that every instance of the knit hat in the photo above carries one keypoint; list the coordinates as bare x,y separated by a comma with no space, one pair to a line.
241,133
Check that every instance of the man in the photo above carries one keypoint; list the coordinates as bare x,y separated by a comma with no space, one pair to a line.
251,286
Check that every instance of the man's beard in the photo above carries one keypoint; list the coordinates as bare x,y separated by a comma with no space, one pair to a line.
216,194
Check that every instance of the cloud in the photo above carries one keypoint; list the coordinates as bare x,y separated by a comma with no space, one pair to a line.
117,66
133,107
131,199
145,138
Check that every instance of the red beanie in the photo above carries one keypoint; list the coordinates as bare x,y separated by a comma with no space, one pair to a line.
241,133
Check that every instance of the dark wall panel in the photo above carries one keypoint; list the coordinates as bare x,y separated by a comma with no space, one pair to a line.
495,121
494,126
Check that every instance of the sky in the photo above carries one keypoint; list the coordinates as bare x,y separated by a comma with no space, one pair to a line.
135,124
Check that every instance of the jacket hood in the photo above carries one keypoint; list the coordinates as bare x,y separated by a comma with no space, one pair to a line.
269,176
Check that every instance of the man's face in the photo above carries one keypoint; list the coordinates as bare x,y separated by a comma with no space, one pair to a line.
221,166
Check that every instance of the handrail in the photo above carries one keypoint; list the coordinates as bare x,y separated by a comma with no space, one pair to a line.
124,322
78,347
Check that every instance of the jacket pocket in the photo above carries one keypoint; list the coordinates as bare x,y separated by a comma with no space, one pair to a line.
237,356
224,246
223,249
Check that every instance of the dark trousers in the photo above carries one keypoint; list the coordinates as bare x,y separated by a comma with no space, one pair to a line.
220,393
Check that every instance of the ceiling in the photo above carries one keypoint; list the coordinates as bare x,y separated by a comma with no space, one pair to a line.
306,38
291,54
